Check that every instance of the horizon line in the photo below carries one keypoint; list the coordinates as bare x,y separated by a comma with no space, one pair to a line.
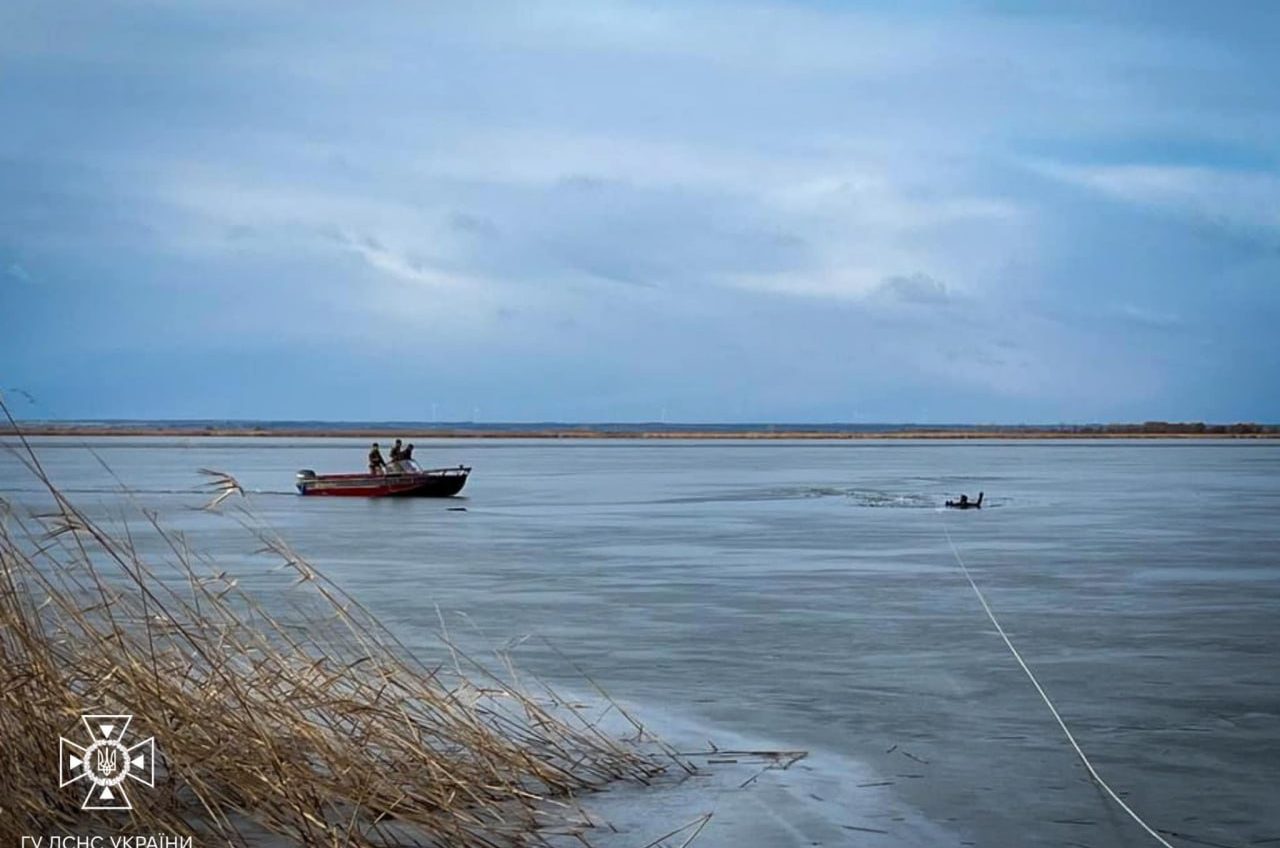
638,424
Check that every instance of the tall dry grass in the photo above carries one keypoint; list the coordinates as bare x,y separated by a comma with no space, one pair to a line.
318,727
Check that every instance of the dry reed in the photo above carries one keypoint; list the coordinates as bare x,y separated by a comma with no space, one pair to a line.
318,727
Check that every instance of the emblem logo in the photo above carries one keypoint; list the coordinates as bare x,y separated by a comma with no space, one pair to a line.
106,762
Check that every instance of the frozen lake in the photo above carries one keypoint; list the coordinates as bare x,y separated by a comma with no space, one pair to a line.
803,595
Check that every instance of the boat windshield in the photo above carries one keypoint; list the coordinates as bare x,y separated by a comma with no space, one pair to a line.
403,466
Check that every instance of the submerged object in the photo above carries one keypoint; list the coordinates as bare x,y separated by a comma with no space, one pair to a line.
965,503
403,479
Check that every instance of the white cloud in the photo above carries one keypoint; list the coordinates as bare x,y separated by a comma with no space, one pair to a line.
1246,198
398,265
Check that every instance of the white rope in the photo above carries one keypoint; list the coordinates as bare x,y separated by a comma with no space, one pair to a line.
1036,683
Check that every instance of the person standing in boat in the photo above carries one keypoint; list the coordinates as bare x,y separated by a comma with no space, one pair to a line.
408,453
397,452
376,463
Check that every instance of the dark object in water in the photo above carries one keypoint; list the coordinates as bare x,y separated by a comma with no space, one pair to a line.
965,503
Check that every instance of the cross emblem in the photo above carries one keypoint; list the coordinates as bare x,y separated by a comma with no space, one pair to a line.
106,762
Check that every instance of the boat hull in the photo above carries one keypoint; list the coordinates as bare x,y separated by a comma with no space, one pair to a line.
435,483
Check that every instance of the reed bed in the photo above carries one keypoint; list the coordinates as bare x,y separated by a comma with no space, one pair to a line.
316,725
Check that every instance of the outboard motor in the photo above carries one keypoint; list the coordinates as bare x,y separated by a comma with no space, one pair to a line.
302,478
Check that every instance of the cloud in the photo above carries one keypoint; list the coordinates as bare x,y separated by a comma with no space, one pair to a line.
402,266
1236,197
592,197
915,288
1157,319
17,272
476,225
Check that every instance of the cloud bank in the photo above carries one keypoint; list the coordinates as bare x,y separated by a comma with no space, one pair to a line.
715,212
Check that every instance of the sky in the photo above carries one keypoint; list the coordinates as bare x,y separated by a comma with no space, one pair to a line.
686,212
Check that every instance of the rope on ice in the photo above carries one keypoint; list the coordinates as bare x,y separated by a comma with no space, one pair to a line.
1043,696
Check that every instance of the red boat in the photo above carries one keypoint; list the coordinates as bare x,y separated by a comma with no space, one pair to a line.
402,480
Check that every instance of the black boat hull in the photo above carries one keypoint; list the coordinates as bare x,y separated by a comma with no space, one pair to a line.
439,487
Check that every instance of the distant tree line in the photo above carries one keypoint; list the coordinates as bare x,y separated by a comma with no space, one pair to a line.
1177,427
1146,428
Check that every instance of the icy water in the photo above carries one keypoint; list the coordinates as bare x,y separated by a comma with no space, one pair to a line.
803,596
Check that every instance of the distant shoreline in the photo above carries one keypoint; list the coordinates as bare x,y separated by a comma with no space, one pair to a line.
675,433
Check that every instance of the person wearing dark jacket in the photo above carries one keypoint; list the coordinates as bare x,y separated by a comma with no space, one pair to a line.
965,503
376,463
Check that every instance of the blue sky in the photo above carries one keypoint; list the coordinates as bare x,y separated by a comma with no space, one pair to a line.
695,211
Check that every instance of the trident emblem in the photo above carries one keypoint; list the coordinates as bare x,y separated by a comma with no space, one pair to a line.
107,762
